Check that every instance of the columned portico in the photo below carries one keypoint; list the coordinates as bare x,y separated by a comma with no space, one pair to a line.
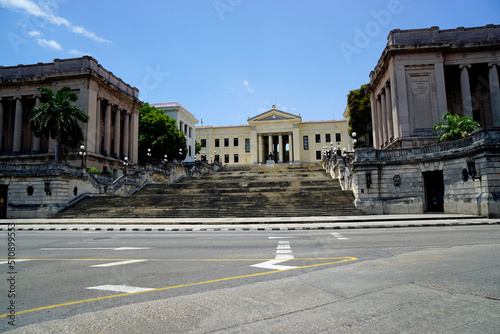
274,130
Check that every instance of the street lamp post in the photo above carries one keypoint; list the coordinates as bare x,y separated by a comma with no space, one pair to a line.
125,163
149,155
82,153
354,140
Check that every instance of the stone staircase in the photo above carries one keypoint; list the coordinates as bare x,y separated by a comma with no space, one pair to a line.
287,190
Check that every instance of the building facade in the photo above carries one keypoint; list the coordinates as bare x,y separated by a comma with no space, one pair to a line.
186,122
423,73
112,106
273,135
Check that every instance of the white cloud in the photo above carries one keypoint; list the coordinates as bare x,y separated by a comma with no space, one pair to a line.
35,33
49,44
248,86
78,53
33,9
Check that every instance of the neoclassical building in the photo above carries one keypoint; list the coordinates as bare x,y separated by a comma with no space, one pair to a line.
273,133
423,73
112,105
186,122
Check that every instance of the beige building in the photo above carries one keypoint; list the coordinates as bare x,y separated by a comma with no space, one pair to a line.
275,133
112,106
423,73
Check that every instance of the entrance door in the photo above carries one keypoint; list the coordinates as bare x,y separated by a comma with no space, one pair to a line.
3,201
434,191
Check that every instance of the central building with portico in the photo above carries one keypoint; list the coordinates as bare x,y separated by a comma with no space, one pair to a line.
274,134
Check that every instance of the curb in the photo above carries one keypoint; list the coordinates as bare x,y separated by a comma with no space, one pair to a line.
242,228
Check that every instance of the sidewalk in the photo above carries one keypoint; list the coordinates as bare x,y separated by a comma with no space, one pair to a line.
246,224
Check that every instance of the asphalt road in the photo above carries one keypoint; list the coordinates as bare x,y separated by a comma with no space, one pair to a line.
414,280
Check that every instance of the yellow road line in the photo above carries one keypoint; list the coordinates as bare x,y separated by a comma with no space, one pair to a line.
345,259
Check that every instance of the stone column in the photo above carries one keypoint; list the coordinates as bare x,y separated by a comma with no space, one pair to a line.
380,129
36,140
117,137
259,147
270,143
280,143
296,145
465,87
384,118
18,126
374,120
107,129
494,93
1,124
126,129
290,146
98,127
388,108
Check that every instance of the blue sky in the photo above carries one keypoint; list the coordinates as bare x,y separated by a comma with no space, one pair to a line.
226,60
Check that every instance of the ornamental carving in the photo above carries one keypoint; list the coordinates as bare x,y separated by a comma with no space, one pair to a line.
396,180
273,117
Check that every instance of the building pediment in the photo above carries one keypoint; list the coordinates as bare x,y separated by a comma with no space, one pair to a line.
274,115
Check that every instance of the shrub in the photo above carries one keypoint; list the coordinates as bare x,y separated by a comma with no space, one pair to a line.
93,170
106,172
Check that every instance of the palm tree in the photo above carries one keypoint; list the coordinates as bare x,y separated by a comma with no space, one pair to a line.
56,117
458,127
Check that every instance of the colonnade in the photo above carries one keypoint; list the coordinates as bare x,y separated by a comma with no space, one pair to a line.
383,116
277,148
111,131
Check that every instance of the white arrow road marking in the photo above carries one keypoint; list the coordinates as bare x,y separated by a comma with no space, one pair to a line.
97,248
116,263
119,288
273,264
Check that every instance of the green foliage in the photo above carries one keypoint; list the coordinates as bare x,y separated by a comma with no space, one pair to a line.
458,127
197,147
56,117
93,170
360,117
159,132
106,172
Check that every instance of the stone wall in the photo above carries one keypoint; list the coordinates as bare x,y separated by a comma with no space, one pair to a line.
394,181
40,190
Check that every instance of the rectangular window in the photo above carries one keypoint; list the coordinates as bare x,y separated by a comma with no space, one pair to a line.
247,145
235,141
226,158
328,138
217,143
203,143
189,150
338,138
190,132
226,142
318,155
236,159
318,138
306,142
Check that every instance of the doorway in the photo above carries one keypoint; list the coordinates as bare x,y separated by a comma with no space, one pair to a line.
434,191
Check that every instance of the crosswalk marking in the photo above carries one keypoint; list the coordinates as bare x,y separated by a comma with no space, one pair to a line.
339,236
117,263
119,288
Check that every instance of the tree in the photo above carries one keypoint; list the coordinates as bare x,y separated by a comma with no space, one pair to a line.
159,132
197,147
360,117
56,117
458,127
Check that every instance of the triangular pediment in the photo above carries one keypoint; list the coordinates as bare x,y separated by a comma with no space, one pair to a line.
274,115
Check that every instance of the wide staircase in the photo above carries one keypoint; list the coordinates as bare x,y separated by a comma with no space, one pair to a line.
288,190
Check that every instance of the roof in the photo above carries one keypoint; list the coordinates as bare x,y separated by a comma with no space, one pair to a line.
172,105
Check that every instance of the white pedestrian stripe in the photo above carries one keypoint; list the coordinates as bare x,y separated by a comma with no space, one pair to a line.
117,263
119,288
339,236
15,261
